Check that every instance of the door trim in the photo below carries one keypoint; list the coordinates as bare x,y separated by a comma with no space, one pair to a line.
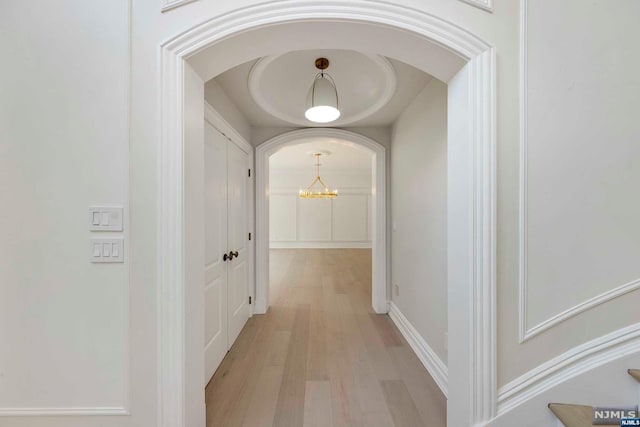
472,272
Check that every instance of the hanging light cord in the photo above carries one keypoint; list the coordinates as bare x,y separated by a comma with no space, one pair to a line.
318,179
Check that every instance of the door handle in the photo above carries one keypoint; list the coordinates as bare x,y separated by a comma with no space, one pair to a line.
230,255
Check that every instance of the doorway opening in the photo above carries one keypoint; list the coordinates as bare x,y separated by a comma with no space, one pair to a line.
310,238
447,52
373,207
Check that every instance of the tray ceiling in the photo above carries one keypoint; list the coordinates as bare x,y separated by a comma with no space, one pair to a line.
272,91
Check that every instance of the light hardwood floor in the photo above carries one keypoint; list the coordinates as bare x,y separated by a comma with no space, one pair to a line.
320,356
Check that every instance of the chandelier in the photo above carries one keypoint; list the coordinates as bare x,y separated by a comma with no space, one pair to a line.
323,192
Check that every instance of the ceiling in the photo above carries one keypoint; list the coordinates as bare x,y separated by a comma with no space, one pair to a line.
373,90
342,155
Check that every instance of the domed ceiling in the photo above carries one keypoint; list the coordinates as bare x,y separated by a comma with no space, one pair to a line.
272,91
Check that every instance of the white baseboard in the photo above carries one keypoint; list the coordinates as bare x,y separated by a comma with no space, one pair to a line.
436,367
319,245
41,412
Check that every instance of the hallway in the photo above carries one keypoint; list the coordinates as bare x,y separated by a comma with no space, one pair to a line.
321,357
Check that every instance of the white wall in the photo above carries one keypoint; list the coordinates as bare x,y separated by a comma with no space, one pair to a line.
64,122
342,222
419,215
220,101
65,323
580,136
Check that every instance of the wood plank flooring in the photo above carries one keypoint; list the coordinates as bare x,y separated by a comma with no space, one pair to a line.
320,356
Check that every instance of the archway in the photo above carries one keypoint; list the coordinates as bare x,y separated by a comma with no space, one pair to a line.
379,291
446,51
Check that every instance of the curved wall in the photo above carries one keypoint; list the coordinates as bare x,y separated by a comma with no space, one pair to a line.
579,240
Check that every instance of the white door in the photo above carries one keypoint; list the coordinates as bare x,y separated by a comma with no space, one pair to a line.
215,268
238,269
226,293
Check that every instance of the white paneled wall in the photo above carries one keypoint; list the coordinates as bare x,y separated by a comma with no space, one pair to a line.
579,232
283,224
348,214
343,222
314,220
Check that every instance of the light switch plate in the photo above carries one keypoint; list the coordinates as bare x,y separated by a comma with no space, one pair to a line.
106,250
105,218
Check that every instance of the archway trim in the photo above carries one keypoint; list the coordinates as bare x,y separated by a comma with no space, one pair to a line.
380,286
472,203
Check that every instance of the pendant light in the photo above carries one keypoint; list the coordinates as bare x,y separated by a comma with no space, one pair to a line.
322,100
324,192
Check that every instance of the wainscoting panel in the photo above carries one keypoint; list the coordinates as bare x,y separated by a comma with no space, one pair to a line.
342,222
350,218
